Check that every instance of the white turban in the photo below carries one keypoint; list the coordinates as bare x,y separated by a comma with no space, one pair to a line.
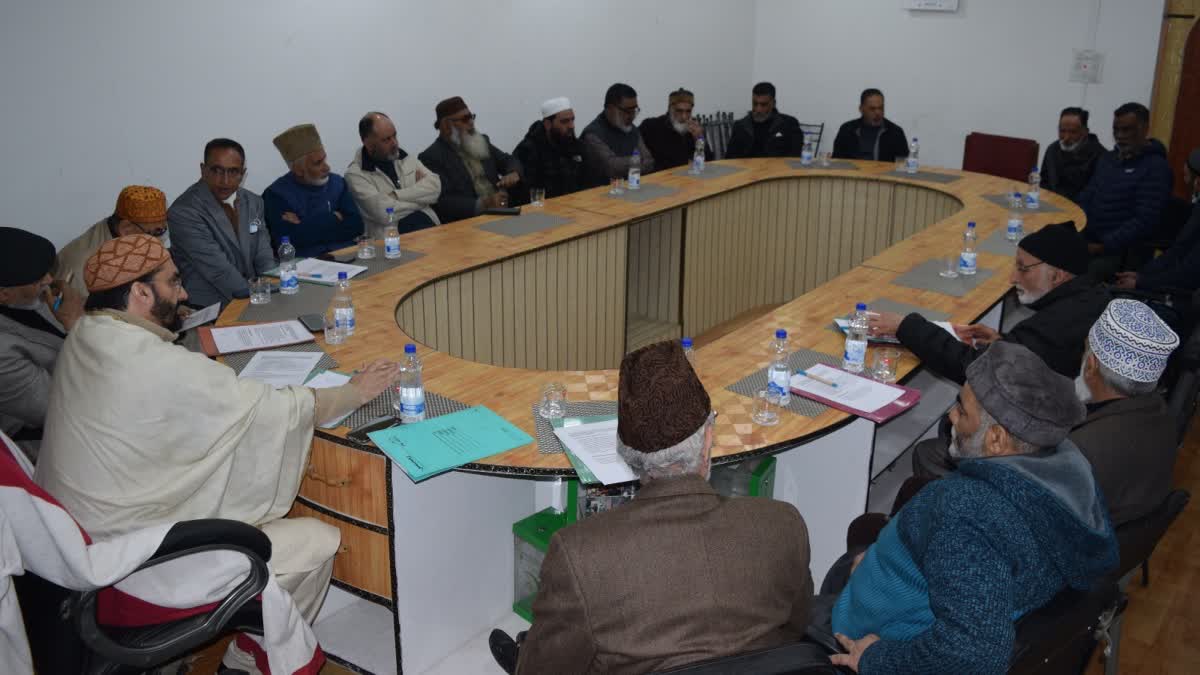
554,106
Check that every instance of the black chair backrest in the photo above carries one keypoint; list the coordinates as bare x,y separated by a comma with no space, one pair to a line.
799,658
1059,638
1137,538
1181,401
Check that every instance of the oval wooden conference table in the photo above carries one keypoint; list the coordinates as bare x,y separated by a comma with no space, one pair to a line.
500,308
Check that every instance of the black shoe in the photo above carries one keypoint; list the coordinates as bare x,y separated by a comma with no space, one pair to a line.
504,650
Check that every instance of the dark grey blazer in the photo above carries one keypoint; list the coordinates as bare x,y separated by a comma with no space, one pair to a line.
216,266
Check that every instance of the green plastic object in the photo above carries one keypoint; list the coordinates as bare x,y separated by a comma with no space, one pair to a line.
531,539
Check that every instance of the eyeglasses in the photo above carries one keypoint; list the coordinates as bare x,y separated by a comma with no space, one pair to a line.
1025,268
630,111
469,117
222,172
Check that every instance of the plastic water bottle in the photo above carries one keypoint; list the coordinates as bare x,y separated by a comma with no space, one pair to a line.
854,358
635,171
688,351
913,163
807,153
779,373
343,305
1033,197
289,283
335,333
698,157
391,236
410,391
966,261
1016,222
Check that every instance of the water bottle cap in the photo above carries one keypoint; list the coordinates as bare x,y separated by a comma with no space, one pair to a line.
914,139
390,209
687,342
971,225
860,307
285,240
410,348
341,276
637,153
780,334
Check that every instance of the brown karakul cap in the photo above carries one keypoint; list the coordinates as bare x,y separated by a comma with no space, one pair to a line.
448,107
142,204
122,260
297,142
660,401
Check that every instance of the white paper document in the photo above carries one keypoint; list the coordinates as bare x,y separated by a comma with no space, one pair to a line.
325,271
949,328
260,336
281,368
853,391
596,445
201,317
329,379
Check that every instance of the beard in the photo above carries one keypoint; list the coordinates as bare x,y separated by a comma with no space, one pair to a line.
472,143
165,312
760,117
1070,147
1082,391
966,447
680,128
562,137
380,157
318,182
1029,297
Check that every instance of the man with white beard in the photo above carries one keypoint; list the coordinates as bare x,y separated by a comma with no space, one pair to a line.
475,174
671,137
1050,277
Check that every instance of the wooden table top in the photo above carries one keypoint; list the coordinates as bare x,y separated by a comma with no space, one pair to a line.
457,247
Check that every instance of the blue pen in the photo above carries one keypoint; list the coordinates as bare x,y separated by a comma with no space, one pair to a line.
817,379
315,275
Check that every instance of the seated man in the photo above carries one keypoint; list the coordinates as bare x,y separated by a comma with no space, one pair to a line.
141,209
141,431
1179,266
475,174
309,204
671,137
33,326
611,139
1071,161
680,574
383,176
1049,275
219,230
1129,435
765,132
968,555
1127,195
871,136
550,154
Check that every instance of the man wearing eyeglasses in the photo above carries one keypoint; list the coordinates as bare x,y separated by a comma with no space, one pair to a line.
475,174
610,140
140,209
219,229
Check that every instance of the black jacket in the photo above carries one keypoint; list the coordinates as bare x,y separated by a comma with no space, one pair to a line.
785,138
557,168
1179,266
892,142
1067,173
1057,332
669,147
458,199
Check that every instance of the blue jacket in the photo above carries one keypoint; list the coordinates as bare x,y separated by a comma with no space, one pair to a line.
320,230
1179,266
972,553
1125,198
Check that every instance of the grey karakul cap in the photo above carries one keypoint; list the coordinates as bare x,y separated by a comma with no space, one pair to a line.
1026,397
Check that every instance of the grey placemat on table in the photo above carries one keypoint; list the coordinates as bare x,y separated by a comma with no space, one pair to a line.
711,171
646,193
240,360
834,165
901,308
548,443
926,277
997,244
799,360
526,223
436,405
314,298
928,176
1002,201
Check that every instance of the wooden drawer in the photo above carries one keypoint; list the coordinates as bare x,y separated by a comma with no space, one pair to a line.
364,559
348,481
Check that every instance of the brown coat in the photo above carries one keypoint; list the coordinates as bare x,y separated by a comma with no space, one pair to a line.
1130,443
73,256
678,575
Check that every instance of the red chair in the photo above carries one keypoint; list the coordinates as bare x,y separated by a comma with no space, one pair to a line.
1002,156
